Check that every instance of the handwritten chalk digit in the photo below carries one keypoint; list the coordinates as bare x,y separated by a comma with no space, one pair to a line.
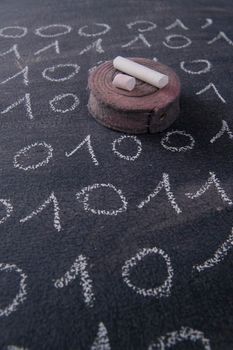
22,292
177,37
218,256
51,199
8,208
96,45
23,153
223,36
87,141
106,28
208,22
149,25
177,23
206,69
19,32
124,81
26,100
54,45
225,129
13,49
52,70
212,181
186,335
53,103
137,38
83,196
118,142
101,341
164,290
79,269
211,86
23,72
63,29
164,183
166,143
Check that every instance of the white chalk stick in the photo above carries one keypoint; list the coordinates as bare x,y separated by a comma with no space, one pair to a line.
141,72
124,81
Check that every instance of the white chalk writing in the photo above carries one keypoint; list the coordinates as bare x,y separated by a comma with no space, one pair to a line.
211,86
53,69
119,141
140,37
54,45
24,151
225,129
79,268
26,100
21,295
101,341
206,69
102,32
23,72
163,290
87,141
9,209
164,183
208,23
14,49
165,142
96,45
83,196
223,36
58,98
177,23
51,199
64,29
218,256
20,32
149,25
212,180
183,335
169,38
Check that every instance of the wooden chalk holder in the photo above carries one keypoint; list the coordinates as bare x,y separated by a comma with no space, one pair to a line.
145,109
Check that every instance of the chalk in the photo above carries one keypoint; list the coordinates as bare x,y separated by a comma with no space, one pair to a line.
164,290
102,340
143,73
84,194
124,81
79,268
87,140
22,154
225,128
163,184
218,256
21,295
185,334
212,180
117,142
209,86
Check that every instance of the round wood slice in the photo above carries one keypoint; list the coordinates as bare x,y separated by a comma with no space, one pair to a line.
145,109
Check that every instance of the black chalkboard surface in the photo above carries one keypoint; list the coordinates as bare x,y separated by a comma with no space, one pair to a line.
108,240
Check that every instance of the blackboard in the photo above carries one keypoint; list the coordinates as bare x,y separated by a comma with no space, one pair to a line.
109,240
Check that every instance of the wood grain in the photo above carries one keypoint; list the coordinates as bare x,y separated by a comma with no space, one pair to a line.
146,109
